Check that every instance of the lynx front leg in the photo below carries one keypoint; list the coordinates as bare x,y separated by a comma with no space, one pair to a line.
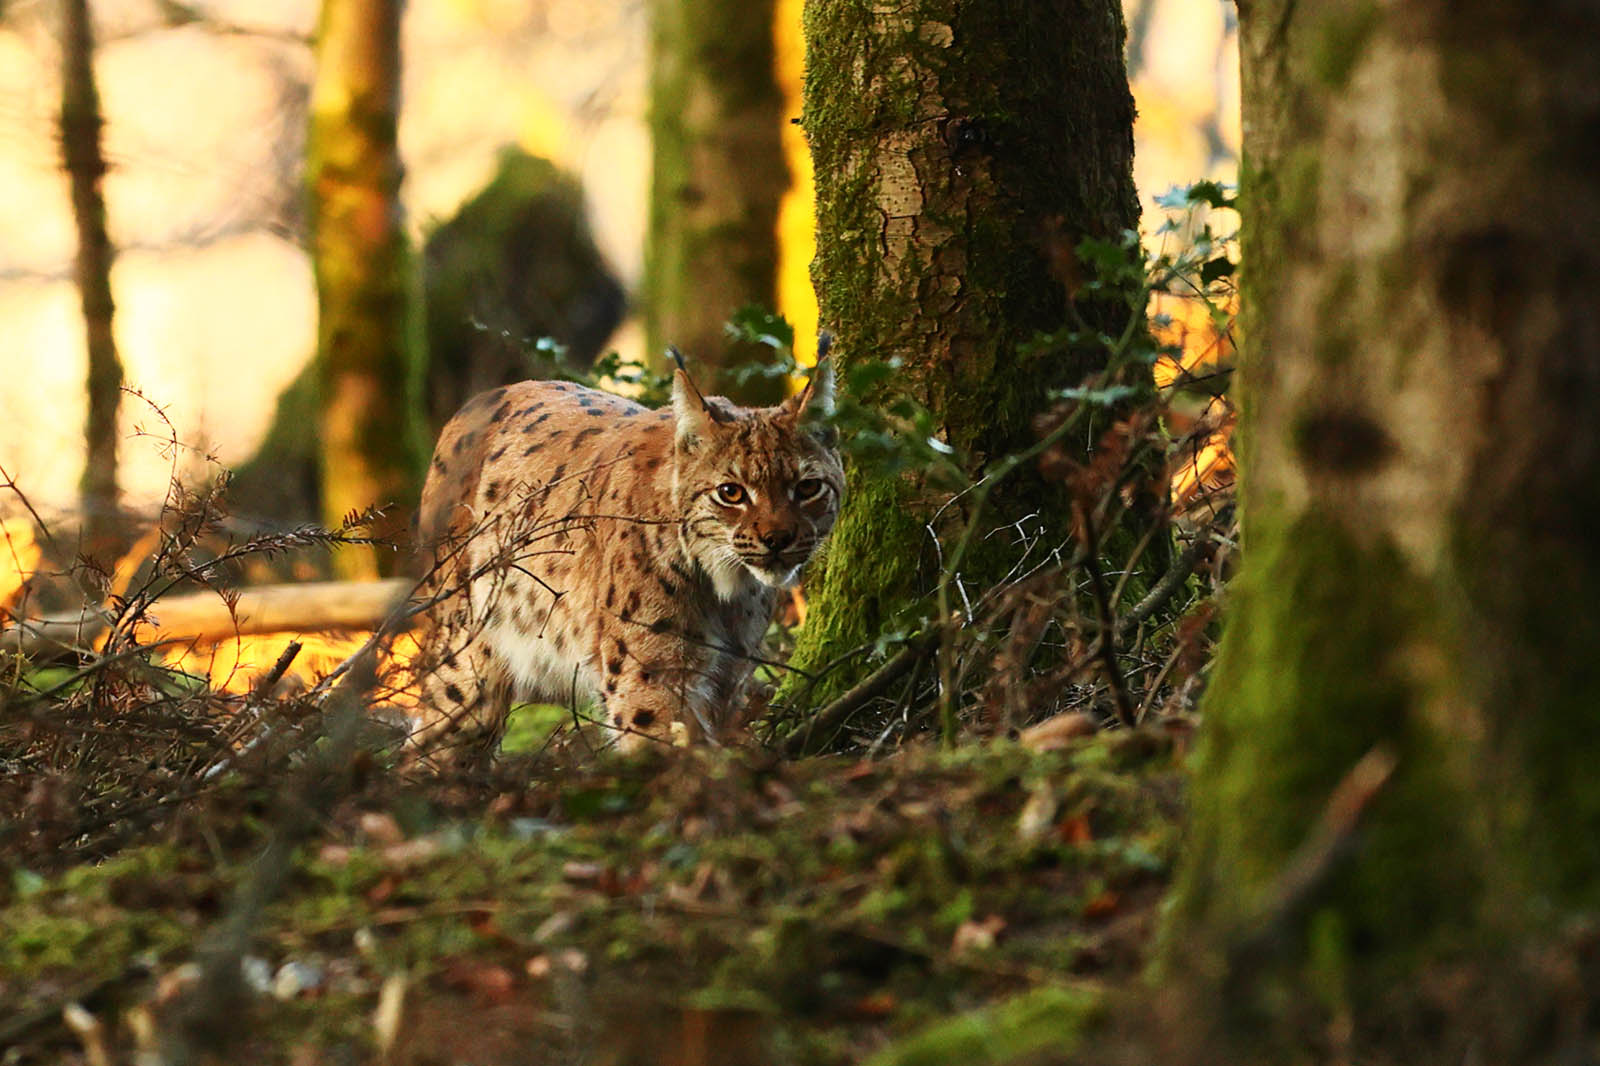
649,688
466,699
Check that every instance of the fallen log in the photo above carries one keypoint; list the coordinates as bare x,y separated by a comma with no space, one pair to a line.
205,617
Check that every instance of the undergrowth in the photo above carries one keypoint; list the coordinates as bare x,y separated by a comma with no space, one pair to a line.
213,875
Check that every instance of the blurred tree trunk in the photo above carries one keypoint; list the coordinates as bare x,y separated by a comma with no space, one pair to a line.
369,334
81,123
961,148
716,114
1421,377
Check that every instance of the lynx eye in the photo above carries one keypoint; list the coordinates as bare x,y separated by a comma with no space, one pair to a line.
731,493
807,488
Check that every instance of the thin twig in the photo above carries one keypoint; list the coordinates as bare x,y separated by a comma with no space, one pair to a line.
1167,587
303,802
279,668
830,718
1313,862
1106,643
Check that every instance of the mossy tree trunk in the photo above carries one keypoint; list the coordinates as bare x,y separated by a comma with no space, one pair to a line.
719,174
85,164
1421,376
959,146
369,334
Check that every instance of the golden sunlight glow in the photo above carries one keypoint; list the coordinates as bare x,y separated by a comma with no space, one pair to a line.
797,227
19,557
238,664
1205,349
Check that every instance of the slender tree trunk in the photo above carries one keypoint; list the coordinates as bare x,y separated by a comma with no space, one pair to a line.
369,335
1421,477
715,117
81,123
960,147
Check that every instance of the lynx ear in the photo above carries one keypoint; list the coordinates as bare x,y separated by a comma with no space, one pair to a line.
694,415
817,397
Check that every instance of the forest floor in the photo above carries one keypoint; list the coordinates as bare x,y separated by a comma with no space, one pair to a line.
704,907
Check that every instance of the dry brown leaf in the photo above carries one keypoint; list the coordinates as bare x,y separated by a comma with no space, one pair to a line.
1053,734
876,1005
381,828
977,935
1075,830
1038,814
490,984
1102,906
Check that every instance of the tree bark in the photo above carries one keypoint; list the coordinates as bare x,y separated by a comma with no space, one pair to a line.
1421,481
715,117
369,333
81,125
960,147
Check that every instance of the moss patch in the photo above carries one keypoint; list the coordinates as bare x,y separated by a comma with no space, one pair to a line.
1341,41
812,911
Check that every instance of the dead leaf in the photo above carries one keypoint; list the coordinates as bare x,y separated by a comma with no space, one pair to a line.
381,891
1038,814
381,828
554,926
90,1032
335,854
1053,734
863,769
876,1005
490,984
410,852
386,1018
1075,830
172,984
1103,905
977,935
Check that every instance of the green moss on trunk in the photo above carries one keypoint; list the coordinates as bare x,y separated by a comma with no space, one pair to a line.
369,331
719,173
1421,478
958,145
1335,658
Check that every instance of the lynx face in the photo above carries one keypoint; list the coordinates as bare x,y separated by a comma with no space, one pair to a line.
759,489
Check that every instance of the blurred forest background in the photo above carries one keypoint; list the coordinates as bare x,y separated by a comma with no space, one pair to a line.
548,102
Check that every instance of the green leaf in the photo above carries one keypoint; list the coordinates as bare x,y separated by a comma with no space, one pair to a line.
1212,193
757,325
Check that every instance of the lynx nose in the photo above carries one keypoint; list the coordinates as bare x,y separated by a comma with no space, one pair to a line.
777,539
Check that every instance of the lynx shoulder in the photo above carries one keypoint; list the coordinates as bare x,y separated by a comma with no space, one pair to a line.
581,547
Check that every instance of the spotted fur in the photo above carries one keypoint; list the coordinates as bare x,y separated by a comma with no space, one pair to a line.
584,547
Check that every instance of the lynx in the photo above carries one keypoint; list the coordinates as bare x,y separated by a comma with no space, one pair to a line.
586,548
